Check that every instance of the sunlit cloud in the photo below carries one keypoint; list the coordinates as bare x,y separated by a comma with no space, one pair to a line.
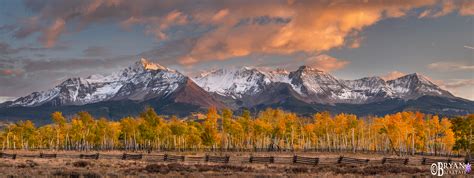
234,28
465,8
393,75
326,63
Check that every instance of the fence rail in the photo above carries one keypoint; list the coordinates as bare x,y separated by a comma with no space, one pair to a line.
256,150
90,156
395,161
217,159
173,158
240,159
305,160
347,160
6,155
265,159
127,156
43,155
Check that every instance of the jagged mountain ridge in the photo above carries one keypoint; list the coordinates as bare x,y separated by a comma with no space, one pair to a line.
316,86
142,81
305,91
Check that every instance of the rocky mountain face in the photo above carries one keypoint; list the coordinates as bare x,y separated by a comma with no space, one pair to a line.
141,81
142,84
305,90
414,85
233,82
315,86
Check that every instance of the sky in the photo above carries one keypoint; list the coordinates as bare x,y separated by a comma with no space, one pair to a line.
44,42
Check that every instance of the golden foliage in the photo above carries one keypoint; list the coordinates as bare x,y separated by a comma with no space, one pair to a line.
271,129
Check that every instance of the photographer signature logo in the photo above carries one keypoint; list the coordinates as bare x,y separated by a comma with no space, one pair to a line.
453,168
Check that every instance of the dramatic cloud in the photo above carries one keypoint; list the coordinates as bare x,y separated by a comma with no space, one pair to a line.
465,7
326,63
393,75
227,29
450,66
196,34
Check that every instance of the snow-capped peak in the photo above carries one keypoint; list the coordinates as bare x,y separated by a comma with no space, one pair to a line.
316,85
415,85
234,82
145,79
416,77
309,69
148,65
141,80
280,71
412,79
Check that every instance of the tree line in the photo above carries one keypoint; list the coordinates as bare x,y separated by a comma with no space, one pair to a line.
270,130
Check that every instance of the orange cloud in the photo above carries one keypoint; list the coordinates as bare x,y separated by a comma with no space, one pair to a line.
51,34
393,75
326,63
10,72
220,15
314,26
465,8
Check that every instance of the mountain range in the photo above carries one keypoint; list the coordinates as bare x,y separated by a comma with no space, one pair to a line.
305,91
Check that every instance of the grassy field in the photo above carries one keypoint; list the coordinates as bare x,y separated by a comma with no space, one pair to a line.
111,165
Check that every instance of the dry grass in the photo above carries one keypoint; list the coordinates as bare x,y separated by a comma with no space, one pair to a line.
111,167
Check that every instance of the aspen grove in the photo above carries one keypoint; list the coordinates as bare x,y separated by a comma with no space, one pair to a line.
270,130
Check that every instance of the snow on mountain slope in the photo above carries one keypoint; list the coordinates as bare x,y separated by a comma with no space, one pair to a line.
278,75
6,98
311,81
141,80
369,89
415,85
317,86
36,98
233,82
144,80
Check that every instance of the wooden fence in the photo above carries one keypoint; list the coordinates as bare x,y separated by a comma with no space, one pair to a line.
252,159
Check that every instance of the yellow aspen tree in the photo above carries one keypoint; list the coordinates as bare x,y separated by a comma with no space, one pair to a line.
210,136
